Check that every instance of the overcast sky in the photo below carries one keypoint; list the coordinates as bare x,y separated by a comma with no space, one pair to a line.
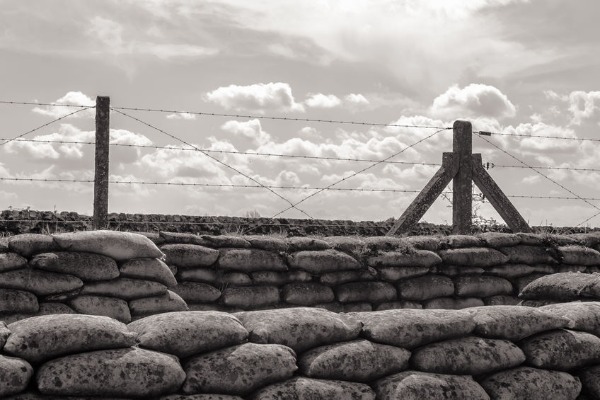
526,67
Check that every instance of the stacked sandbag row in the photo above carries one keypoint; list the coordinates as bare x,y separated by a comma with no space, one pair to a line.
560,288
344,274
495,352
115,274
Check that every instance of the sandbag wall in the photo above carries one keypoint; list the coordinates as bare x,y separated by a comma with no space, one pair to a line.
115,274
496,352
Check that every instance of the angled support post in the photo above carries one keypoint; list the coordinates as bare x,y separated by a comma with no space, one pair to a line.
428,195
100,220
497,198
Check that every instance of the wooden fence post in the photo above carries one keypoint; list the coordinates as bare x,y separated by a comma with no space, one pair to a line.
462,186
100,220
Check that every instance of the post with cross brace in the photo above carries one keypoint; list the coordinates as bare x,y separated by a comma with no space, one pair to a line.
462,168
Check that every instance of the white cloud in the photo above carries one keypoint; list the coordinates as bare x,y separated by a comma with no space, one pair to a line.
319,100
356,99
474,100
182,115
260,97
583,105
71,98
250,129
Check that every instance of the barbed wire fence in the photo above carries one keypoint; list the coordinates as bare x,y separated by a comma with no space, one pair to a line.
183,145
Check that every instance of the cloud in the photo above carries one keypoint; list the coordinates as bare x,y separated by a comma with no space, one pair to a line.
320,100
583,105
182,115
71,98
356,99
250,129
474,100
258,97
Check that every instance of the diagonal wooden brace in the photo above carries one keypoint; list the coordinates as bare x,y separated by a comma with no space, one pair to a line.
428,195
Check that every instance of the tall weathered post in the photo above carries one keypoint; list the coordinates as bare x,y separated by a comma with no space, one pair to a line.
101,162
462,194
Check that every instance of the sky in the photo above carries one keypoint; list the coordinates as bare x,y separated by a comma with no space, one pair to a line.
523,68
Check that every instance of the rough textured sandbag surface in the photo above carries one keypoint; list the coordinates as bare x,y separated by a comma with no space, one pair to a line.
564,286
581,316
412,328
239,369
190,332
220,241
279,278
300,243
501,300
395,305
561,349
18,301
337,278
481,286
590,379
372,292
579,255
425,287
307,294
301,388
531,384
470,355
497,239
299,328
250,297
169,301
28,244
40,338
453,303
4,334
125,288
251,260
102,305
189,255
473,257
14,375
352,245
118,245
513,270
197,292
128,372
393,274
524,254
198,275
35,395
41,283
322,261
10,261
200,397
148,268
415,258
355,361
267,243
513,323
413,385
85,266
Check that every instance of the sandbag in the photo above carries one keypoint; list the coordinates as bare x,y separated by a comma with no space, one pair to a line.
521,282
570,268
414,258
590,379
125,288
537,303
128,372
513,323
338,278
17,301
412,328
431,243
196,292
189,255
473,257
182,238
157,304
41,283
118,245
566,286
41,338
372,292
85,266
352,245
394,274
35,395
501,300
531,384
513,270
14,375
455,270
10,261
148,269
524,254
198,275
355,361
28,244
4,334
299,328
102,305
239,369
200,397
235,279
306,294
461,241
250,297
301,388
451,303
345,308
396,305
561,349
318,262
580,316
221,241
301,243
498,239
481,286
375,244
268,243
579,255
188,332
414,385
279,278
425,287
54,308
470,355
251,260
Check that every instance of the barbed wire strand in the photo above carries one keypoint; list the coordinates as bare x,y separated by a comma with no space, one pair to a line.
213,158
487,133
44,125
546,177
32,103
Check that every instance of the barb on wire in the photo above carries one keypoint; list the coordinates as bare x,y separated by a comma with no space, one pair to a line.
213,158
546,177
44,125
329,121
32,103
553,168
360,171
487,133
